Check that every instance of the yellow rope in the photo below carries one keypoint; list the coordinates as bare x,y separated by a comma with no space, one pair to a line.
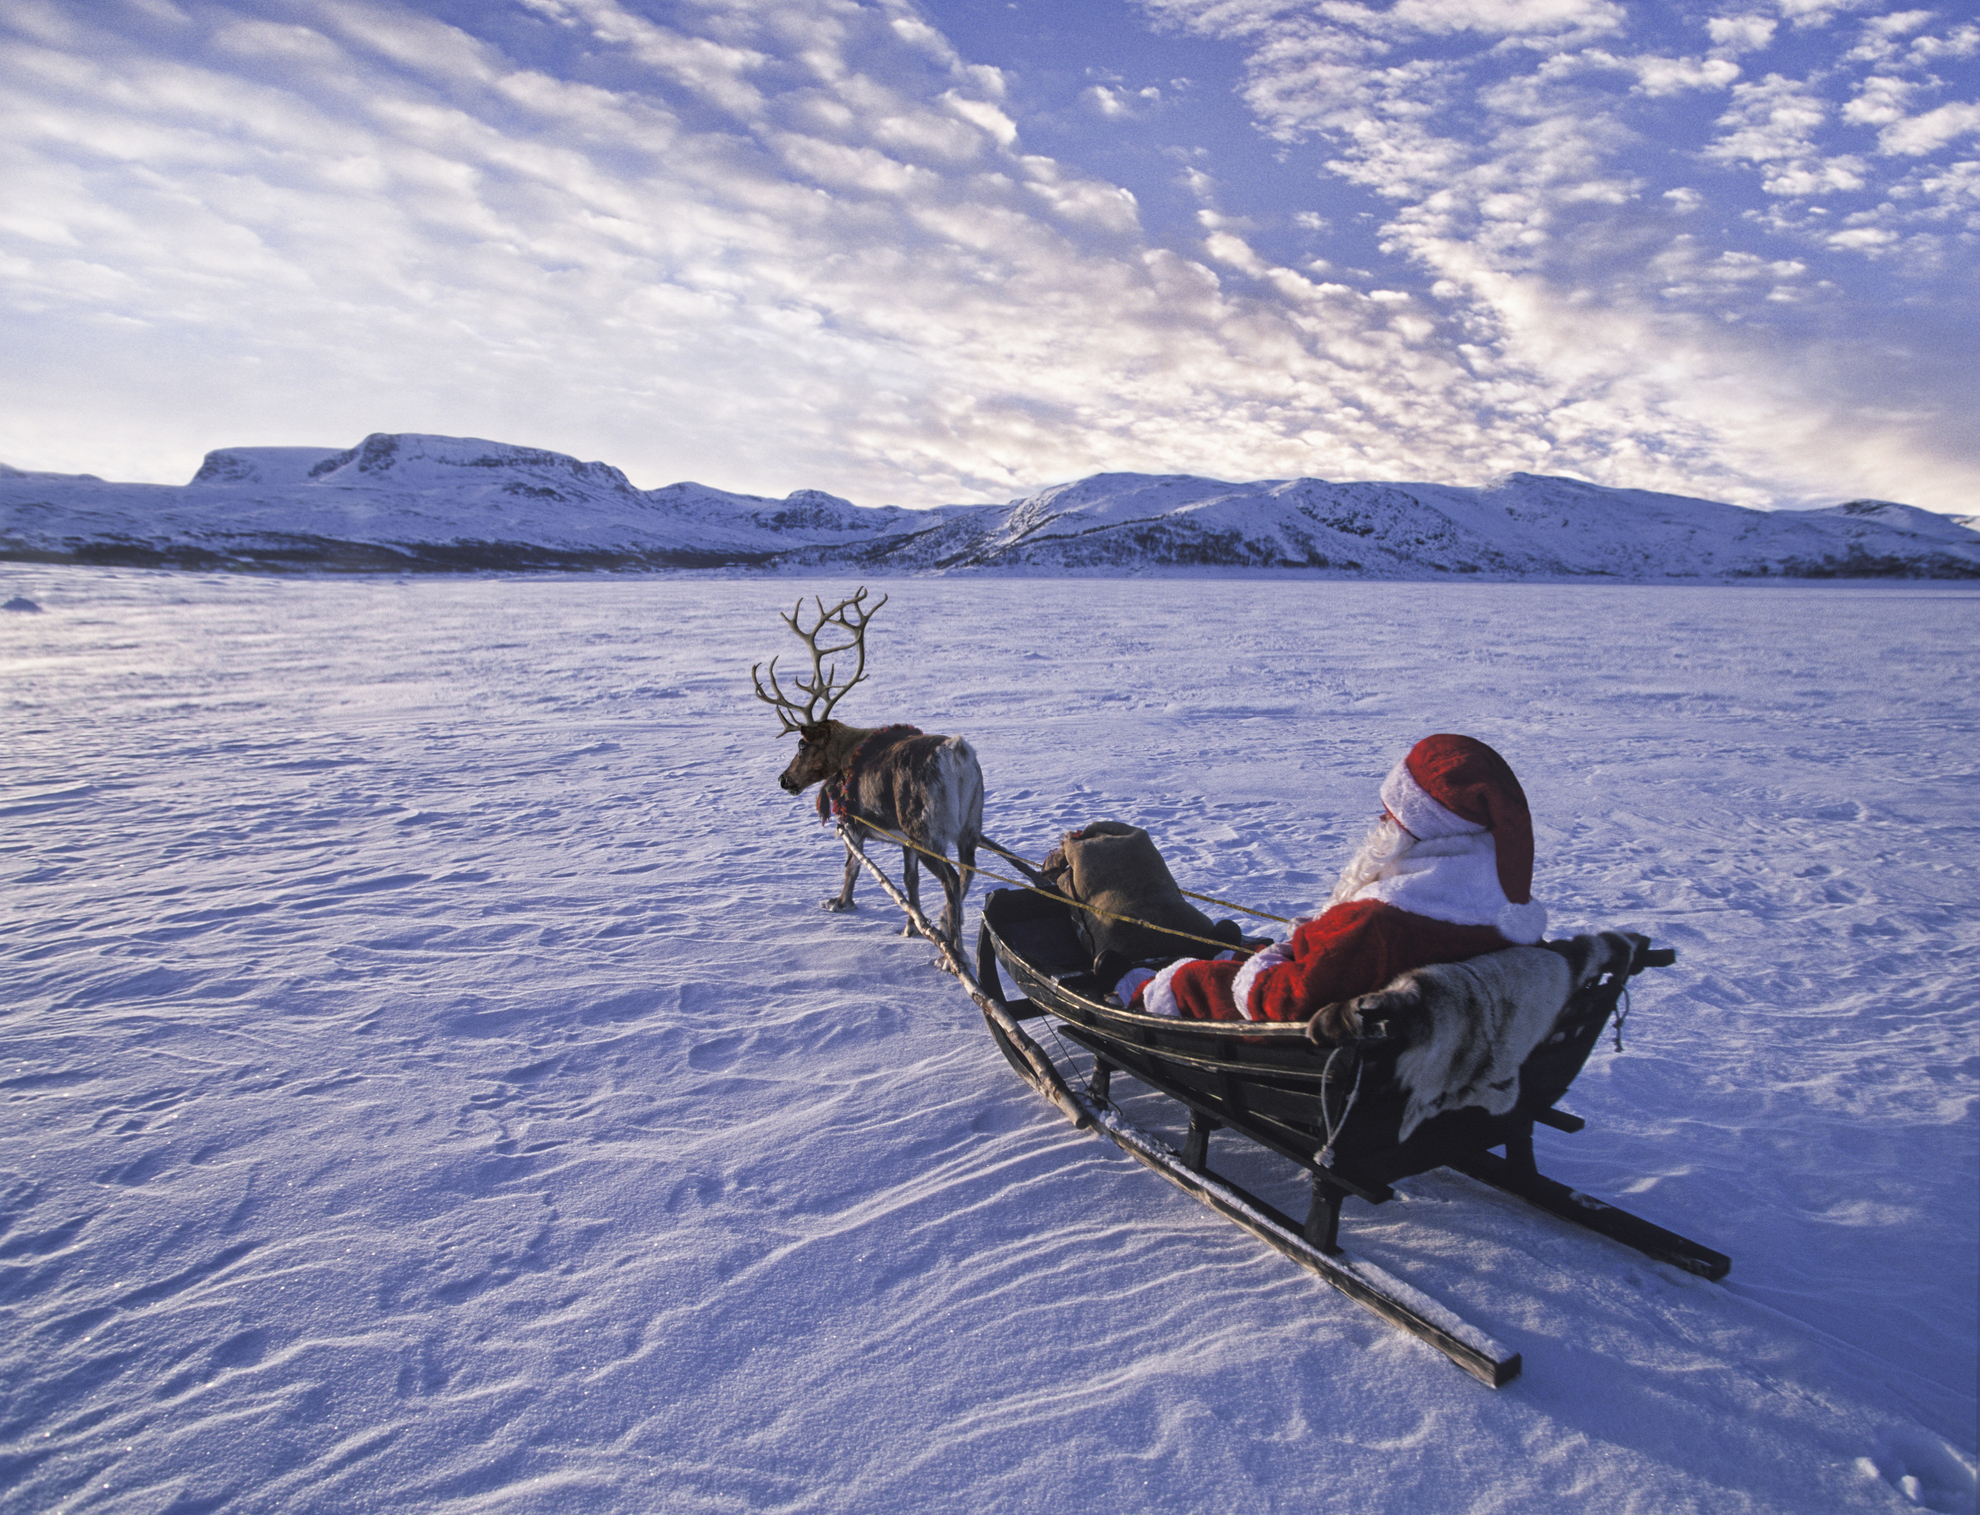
1052,894
1211,899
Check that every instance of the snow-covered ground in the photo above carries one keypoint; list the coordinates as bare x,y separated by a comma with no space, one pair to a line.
427,1082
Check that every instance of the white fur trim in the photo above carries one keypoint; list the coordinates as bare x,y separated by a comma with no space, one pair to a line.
1131,980
1522,924
1410,803
1451,878
1257,963
1158,998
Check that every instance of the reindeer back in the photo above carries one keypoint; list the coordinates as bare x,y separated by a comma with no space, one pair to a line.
929,788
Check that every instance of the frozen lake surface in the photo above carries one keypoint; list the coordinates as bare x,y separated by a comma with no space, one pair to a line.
427,1082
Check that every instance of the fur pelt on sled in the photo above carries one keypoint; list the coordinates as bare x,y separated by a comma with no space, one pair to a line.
1470,1025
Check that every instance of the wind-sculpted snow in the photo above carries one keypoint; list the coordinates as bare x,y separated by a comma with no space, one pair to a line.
427,1082
436,504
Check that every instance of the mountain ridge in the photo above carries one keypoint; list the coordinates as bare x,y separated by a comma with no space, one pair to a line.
410,501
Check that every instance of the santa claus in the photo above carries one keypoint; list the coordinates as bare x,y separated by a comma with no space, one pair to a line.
1445,875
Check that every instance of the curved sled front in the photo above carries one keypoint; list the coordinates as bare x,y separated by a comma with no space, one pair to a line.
1335,1112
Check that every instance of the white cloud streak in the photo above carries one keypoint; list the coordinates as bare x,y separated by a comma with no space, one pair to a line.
805,247
794,243
1636,336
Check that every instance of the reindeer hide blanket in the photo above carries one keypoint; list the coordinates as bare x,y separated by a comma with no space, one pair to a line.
1470,1025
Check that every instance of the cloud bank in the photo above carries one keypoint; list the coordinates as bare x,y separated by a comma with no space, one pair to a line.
780,245
1682,240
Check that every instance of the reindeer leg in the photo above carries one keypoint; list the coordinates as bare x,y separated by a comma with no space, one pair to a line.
844,898
911,877
950,928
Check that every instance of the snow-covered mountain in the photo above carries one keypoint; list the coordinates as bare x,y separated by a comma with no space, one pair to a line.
412,501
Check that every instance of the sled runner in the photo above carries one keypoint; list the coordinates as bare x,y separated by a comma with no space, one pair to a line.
1338,1113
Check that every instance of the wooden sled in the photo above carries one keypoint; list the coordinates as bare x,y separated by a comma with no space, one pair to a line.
1269,1084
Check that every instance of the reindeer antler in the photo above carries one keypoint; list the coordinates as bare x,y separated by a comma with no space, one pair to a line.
851,616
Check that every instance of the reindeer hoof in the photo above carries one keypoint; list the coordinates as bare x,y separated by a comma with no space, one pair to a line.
836,905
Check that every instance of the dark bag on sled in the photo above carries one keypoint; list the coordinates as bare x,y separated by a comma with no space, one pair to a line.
1116,867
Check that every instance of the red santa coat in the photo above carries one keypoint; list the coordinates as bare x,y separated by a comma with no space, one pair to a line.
1349,950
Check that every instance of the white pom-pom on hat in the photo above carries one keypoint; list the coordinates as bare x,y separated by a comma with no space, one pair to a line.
1522,925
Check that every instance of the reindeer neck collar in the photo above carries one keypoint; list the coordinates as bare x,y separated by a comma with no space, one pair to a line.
835,794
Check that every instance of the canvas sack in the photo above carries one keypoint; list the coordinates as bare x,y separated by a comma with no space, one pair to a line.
1118,868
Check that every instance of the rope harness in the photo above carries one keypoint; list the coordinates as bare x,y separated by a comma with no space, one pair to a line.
854,818
835,794
835,803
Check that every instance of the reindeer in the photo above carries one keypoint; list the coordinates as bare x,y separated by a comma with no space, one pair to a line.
928,789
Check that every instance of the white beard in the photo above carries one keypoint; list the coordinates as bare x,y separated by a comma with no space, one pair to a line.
1447,878
1385,845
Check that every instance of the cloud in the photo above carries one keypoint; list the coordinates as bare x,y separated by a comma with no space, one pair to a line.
1740,34
1919,135
983,115
1554,19
1641,346
807,247
1879,101
815,226
1670,76
1624,331
1774,123
788,244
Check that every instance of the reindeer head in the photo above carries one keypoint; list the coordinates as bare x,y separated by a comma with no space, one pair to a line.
815,758
811,721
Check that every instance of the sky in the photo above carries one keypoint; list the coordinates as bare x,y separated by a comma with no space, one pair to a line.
953,251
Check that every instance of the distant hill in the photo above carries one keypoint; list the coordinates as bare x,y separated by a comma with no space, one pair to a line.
411,502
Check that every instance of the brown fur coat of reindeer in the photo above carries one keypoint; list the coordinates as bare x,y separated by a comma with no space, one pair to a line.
928,789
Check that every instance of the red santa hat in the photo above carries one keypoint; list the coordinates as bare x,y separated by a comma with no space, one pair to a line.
1453,786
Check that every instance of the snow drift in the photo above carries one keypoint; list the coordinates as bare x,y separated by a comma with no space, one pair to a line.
428,1085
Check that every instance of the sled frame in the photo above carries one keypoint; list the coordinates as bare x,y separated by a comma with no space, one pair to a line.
1223,1073
1314,1244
